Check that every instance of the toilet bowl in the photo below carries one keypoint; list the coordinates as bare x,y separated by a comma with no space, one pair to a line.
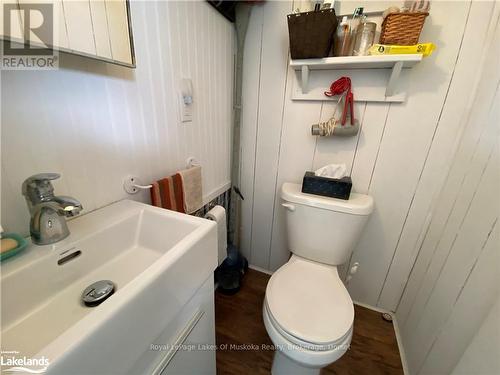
308,313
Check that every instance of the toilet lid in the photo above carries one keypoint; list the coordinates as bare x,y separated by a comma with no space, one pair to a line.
309,301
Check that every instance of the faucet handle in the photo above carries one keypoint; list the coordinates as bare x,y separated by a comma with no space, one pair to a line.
42,177
39,184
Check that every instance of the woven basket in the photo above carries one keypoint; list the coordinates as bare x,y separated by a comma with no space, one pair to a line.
402,29
311,33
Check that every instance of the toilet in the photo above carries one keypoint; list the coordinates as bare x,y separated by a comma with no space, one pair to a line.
307,310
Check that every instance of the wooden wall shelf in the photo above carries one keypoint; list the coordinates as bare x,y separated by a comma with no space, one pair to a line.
393,62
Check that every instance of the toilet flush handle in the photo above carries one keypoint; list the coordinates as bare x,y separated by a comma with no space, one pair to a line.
289,206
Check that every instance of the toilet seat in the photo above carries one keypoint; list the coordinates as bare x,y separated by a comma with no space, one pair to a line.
308,304
305,356
306,345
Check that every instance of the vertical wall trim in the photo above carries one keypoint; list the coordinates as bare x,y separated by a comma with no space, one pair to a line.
379,146
362,123
256,134
426,227
276,188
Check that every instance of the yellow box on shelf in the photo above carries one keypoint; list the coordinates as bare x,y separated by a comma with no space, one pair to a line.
381,49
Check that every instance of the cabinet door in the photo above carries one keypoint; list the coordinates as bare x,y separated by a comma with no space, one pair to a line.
119,35
197,354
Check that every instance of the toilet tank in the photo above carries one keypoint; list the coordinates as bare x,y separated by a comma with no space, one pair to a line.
323,229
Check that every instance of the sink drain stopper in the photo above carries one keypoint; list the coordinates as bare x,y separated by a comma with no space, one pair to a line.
98,292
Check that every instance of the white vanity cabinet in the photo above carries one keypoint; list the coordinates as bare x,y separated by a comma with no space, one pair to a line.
187,344
98,29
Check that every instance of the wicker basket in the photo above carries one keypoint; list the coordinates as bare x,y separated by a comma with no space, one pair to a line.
402,29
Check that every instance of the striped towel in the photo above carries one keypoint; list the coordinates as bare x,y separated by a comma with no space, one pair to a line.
192,189
168,193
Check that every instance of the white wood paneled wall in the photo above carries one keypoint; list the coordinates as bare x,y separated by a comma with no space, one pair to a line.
481,356
96,123
455,280
400,156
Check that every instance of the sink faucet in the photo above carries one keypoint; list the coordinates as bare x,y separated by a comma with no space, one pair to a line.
48,212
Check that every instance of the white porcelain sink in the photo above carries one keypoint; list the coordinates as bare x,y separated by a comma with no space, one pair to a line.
157,260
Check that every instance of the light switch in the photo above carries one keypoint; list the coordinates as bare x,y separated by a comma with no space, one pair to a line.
186,100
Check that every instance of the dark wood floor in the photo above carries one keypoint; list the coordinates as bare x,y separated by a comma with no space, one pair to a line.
240,327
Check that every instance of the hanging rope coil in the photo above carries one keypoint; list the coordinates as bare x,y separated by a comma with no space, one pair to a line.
340,86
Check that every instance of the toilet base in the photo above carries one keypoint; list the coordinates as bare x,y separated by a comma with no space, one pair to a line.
282,365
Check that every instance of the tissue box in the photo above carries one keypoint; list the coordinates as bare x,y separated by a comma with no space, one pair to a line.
327,187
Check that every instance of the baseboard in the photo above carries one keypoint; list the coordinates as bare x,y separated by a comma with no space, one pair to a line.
397,332
256,268
400,345
374,308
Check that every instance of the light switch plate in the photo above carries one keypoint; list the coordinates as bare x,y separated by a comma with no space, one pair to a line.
186,112
186,100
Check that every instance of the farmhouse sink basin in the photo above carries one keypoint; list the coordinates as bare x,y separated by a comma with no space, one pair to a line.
156,258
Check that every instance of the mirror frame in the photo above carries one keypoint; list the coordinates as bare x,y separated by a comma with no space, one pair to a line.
88,55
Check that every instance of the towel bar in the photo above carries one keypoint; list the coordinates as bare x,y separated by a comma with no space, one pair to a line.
192,162
132,185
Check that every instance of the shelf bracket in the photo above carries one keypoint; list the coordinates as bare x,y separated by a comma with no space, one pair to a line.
305,78
396,71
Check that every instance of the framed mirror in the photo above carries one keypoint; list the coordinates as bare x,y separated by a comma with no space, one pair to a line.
99,29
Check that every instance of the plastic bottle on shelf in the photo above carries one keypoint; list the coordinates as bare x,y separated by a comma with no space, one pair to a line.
342,38
356,20
365,35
